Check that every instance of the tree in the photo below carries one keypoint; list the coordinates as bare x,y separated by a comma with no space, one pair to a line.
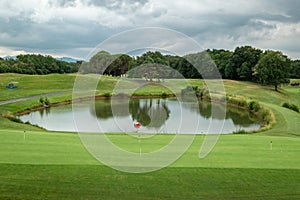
222,59
295,69
243,62
273,68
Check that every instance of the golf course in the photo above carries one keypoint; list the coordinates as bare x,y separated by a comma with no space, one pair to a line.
40,164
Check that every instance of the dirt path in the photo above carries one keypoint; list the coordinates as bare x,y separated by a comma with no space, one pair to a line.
32,97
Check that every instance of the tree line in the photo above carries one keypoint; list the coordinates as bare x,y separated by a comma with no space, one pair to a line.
37,64
244,63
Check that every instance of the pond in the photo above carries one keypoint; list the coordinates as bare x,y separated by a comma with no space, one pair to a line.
155,116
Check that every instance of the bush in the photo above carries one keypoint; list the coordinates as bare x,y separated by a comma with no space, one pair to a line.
241,131
107,94
47,101
254,106
164,95
237,101
291,106
294,84
42,101
265,115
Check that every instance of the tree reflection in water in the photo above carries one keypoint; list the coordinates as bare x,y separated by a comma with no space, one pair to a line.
155,113
152,113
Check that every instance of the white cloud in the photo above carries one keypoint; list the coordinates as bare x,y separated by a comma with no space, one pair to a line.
70,25
4,51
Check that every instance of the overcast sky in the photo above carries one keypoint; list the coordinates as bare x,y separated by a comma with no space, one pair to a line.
74,27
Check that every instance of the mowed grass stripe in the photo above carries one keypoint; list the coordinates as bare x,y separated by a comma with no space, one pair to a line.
99,182
287,122
231,151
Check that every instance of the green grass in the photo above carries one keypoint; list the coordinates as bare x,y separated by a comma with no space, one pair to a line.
39,164
232,151
98,182
47,165
30,85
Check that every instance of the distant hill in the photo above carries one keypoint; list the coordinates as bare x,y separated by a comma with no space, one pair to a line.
9,57
67,59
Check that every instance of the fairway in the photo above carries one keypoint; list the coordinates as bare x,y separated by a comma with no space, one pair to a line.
39,164
56,166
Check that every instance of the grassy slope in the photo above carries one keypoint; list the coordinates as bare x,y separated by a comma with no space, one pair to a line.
48,165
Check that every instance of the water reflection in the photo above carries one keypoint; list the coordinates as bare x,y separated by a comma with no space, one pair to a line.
155,115
239,116
149,112
45,111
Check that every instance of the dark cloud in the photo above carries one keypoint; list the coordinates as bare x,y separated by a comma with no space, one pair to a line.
75,27
62,3
117,4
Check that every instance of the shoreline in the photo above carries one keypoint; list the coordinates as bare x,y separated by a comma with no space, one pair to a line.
37,108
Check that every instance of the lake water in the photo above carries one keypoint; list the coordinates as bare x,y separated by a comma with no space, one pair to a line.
155,116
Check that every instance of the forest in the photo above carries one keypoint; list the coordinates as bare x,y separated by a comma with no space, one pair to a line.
244,63
37,64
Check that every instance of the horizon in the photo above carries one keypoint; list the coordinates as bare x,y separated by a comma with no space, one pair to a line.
132,54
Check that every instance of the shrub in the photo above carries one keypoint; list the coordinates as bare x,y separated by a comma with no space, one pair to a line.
47,101
254,106
241,131
42,101
107,94
237,101
164,95
295,84
265,115
291,106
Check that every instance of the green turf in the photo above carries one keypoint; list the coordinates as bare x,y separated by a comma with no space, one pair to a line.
47,165
37,164
98,182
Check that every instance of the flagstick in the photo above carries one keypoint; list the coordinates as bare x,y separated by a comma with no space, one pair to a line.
271,145
140,145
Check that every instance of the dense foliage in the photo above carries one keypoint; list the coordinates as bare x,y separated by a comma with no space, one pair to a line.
36,64
244,63
273,68
291,106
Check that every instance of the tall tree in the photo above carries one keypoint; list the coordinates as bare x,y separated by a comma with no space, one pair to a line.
273,68
295,69
243,62
222,59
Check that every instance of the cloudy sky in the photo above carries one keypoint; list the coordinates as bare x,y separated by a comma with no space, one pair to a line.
75,27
